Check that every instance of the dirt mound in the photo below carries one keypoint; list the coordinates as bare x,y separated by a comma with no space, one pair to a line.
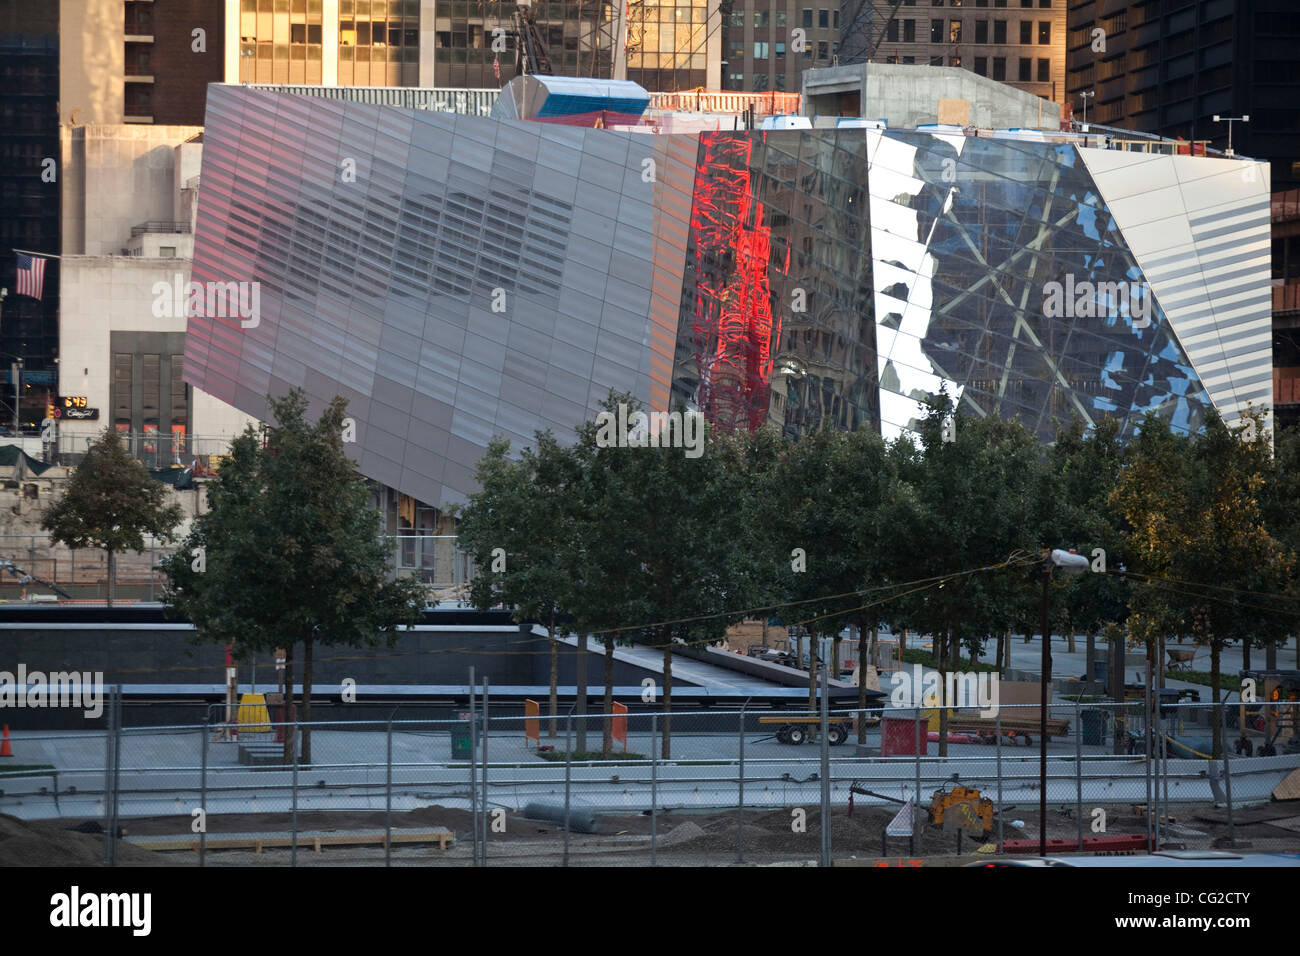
51,843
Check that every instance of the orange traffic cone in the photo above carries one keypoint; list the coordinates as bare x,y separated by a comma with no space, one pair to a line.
5,749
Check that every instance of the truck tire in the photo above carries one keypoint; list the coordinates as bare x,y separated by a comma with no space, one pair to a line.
836,735
795,735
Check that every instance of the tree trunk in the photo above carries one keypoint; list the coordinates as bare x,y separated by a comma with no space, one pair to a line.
306,698
902,645
606,722
1069,645
1270,656
555,676
1214,696
112,574
580,694
290,734
1245,655
862,682
1090,654
666,750
764,634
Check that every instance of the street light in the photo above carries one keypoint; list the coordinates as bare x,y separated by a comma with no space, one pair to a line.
1230,120
1072,564
1084,97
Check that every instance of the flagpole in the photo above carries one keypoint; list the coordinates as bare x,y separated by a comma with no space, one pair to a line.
43,255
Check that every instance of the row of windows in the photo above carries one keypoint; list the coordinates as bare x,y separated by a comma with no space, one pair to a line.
951,31
1044,4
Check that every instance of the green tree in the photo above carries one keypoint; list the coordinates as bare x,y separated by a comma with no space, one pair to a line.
111,503
1196,531
290,551
654,557
519,526
980,496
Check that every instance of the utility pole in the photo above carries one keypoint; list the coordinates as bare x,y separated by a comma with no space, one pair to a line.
16,369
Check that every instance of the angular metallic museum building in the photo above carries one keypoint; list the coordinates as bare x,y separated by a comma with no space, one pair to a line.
457,277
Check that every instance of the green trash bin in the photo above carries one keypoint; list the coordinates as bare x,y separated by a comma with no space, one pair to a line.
462,747
1096,723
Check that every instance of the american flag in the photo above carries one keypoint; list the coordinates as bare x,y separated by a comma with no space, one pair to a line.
31,275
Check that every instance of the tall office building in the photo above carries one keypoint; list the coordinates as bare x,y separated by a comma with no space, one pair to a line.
1168,67
769,43
29,191
671,44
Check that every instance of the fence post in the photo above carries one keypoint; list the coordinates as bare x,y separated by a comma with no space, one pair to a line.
117,769
916,800
388,797
203,787
997,749
293,797
825,768
568,774
108,783
152,563
483,788
654,787
1146,734
473,768
1078,771
1227,773
740,792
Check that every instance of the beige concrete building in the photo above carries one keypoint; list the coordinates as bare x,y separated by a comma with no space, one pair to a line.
129,202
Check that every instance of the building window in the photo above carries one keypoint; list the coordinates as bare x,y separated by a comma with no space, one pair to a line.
1044,33
167,252
738,19
760,83
760,50
909,31
761,18
954,31
999,31
1026,32
936,61
982,65
1045,3
1026,3
823,19
981,31
807,19
780,49
781,19
1026,69
891,31
823,50
999,68
936,31
1044,71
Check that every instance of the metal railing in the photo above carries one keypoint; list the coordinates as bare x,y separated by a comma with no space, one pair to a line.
651,787
434,560
160,225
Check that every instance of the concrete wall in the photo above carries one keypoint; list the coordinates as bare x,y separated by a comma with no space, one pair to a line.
909,96
117,176
106,294
92,62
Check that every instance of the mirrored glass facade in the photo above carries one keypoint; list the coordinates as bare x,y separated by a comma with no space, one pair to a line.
457,277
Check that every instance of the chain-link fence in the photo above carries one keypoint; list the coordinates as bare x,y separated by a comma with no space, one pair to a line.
33,567
694,787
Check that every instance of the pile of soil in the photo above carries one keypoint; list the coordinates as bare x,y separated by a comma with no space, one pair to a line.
51,843
769,832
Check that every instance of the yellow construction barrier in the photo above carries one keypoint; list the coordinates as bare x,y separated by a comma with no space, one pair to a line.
253,717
